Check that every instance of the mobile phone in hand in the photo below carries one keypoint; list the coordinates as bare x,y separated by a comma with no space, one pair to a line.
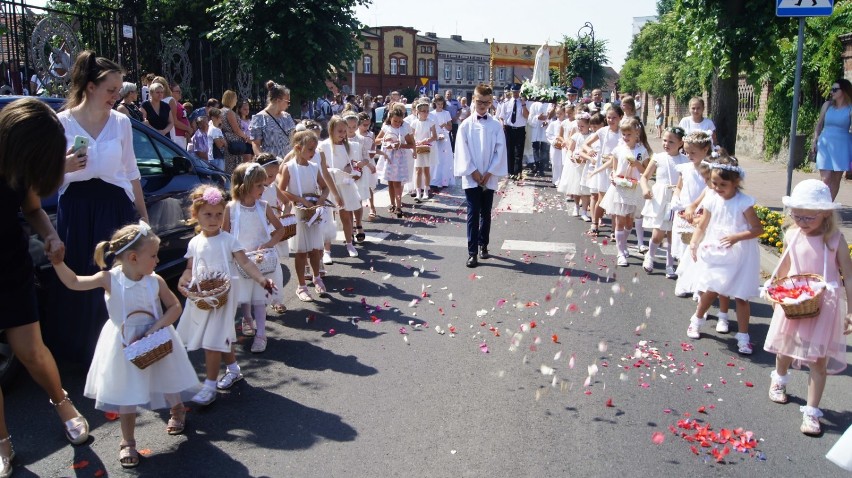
81,145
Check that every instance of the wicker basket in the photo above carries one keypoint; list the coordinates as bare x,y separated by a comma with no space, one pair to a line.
306,213
423,149
210,292
150,349
806,309
686,237
289,222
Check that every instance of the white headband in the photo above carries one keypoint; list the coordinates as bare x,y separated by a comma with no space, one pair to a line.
728,167
144,229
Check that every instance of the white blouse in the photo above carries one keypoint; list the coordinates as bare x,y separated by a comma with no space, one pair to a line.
111,155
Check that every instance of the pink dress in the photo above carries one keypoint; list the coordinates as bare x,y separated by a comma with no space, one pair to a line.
806,340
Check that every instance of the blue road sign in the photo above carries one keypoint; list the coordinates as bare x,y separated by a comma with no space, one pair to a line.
433,85
804,8
422,90
578,83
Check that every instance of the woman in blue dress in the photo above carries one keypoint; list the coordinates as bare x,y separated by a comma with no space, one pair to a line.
833,136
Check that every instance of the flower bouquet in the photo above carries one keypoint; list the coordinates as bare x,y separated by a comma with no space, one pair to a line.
799,295
546,94
625,182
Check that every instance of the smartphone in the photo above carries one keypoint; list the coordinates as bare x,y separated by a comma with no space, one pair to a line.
81,145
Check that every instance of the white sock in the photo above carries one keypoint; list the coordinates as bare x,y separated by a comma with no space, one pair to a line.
779,379
234,367
621,242
210,384
640,232
669,257
652,249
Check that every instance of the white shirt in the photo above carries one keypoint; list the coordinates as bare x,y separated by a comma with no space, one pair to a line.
510,105
111,155
705,125
480,146
212,133
537,127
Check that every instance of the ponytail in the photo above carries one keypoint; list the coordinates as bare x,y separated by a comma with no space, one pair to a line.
101,251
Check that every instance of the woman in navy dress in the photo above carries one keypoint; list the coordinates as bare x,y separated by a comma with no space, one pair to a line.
101,192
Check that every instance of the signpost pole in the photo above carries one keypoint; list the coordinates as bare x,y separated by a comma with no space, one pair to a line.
794,122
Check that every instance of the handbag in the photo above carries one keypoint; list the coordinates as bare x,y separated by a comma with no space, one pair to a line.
239,147
265,259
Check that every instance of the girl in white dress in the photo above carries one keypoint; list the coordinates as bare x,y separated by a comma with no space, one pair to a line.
369,177
554,122
213,251
397,143
574,166
442,173
246,218
624,198
279,204
363,170
300,176
337,156
596,122
608,138
135,297
425,136
726,241
657,211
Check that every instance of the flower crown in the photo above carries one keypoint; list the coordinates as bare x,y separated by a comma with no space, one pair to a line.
212,196
698,137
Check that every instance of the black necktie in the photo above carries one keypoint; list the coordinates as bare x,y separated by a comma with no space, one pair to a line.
481,117
514,112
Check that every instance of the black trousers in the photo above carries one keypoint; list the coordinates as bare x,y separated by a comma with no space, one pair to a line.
453,134
479,203
515,139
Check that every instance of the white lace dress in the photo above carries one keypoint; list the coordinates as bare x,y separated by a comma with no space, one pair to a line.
303,180
250,226
337,159
657,210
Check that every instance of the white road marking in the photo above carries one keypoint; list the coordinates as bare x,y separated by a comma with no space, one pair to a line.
373,237
536,246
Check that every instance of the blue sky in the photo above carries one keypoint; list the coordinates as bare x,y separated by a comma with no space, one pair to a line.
504,21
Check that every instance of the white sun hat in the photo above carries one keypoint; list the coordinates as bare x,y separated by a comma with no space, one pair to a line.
811,194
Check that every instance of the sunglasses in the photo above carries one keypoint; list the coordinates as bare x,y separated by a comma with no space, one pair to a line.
803,219
835,89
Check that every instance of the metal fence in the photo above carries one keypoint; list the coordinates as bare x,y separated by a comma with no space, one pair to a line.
44,41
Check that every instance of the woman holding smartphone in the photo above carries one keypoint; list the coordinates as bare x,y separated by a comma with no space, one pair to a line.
100,193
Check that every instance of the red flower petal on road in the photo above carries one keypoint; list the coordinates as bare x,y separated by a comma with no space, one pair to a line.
483,347
533,324
554,338
702,409
609,404
658,438
749,384
80,464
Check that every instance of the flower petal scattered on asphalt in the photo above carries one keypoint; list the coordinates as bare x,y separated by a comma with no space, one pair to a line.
658,438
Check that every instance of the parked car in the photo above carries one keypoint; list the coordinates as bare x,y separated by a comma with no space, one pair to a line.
380,115
169,174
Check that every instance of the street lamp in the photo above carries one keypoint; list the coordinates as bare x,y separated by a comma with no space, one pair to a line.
584,34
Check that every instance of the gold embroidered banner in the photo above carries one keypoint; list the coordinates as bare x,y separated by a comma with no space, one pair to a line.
516,54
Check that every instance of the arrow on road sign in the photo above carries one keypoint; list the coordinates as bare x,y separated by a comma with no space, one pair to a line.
804,8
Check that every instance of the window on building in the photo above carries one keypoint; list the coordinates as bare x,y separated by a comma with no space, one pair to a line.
367,46
431,69
448,72
481,73
368,65
501,74
403,66
393,66
469,72
425,49
397,41
421,67
458,73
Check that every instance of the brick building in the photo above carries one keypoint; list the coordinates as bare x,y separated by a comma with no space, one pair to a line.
395,58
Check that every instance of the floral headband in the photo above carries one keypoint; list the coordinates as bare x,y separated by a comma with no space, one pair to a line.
144,229
728,167
212,196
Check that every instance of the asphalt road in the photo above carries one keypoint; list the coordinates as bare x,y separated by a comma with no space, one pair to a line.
536,363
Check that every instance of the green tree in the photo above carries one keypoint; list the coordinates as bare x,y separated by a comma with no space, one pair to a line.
302,42
664,6
587,60
729,37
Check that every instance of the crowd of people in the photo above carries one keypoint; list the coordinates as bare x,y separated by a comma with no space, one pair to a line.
295,184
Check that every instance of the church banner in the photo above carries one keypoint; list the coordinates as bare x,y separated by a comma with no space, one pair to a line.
516,54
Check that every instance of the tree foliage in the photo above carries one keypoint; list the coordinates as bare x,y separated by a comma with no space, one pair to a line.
587,61
714,41
302,42
821,67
